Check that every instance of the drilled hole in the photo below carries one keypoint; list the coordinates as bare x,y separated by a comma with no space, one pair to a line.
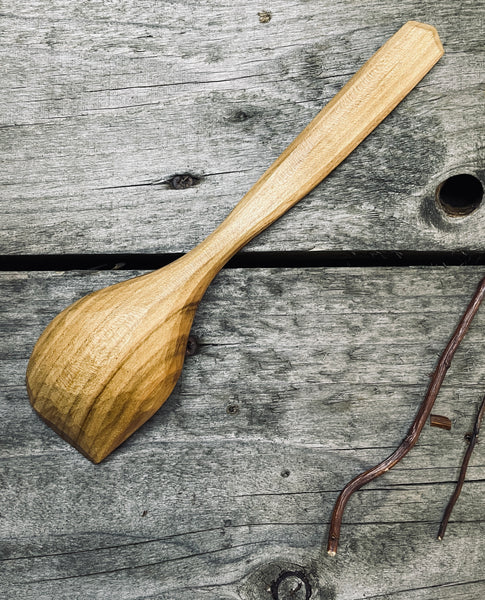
460,195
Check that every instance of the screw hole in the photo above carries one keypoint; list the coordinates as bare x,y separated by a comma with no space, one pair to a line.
460,195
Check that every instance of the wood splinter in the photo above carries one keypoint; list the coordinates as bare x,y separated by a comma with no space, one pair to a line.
415,429
464,465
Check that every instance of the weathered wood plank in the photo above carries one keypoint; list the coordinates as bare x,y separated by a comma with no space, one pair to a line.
303,378
102,102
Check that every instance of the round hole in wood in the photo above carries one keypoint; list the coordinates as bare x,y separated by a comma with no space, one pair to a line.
460,195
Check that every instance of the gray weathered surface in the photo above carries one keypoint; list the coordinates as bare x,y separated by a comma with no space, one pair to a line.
304,377
324,369
99,100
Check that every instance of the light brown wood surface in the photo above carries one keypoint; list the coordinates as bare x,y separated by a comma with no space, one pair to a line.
108,362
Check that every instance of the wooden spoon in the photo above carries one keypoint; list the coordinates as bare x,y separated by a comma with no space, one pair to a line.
107,363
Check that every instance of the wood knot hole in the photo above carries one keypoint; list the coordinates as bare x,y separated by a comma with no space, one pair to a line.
192,346
264,16
240,116
183,181
460,195
291,585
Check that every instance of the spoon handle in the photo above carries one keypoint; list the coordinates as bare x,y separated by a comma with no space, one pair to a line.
372,93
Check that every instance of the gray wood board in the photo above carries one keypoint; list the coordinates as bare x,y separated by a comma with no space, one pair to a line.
102,102
304,377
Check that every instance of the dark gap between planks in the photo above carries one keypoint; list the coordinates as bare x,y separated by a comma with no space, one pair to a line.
248,260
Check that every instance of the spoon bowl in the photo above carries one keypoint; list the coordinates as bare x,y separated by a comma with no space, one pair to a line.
106,363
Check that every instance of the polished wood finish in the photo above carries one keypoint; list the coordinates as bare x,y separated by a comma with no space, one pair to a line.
108,362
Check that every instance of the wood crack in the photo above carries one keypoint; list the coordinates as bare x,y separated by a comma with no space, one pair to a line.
141,566
177,83
425,587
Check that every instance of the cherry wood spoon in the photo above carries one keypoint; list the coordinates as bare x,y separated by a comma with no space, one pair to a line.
107,363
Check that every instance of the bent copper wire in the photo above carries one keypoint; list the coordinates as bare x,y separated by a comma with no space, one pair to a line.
415,429
464,465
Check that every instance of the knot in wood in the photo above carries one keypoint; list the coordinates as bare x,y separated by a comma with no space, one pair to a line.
264,16
192,346
183,181
291,585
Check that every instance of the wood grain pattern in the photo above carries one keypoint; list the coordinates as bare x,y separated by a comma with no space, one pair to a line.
326,368
101,103
304,377
107,363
